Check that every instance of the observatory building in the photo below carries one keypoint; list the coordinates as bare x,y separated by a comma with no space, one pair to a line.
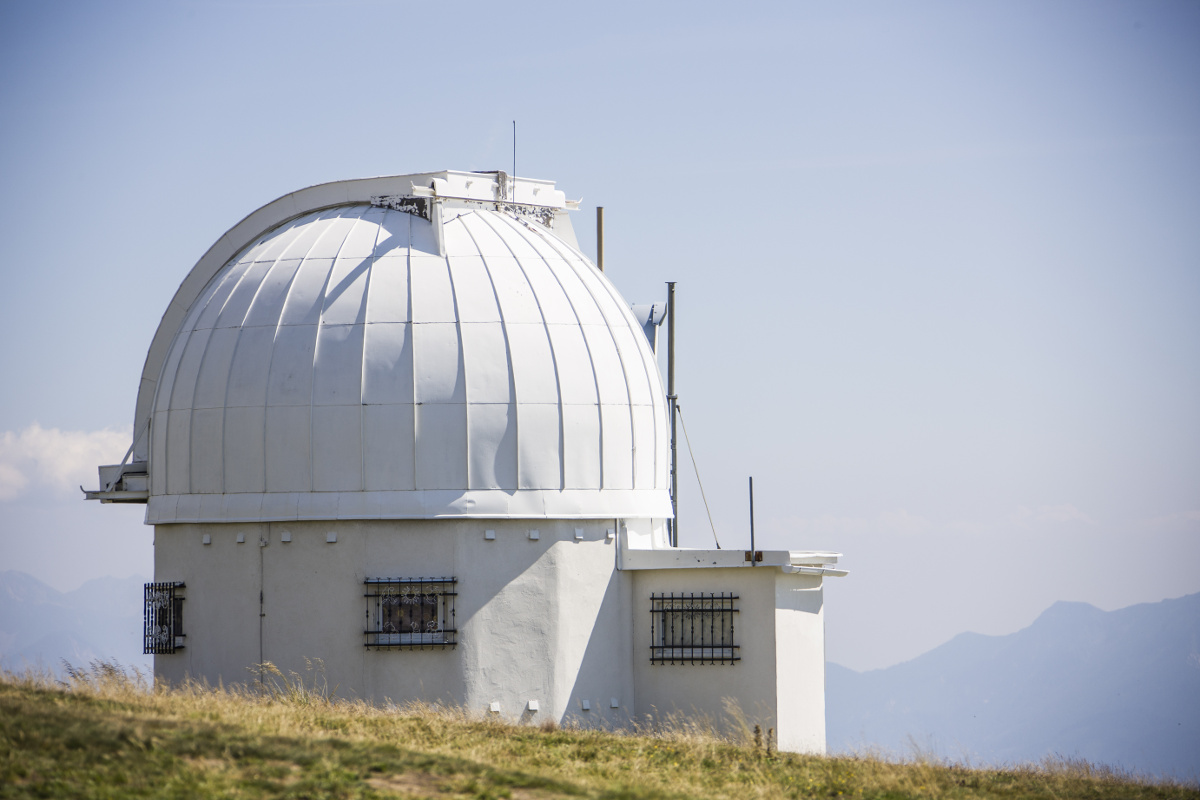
405,426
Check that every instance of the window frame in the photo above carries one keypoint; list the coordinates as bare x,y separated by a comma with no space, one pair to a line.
675,636
386,599
162,620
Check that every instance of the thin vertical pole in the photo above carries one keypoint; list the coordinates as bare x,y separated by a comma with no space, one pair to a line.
672,406
600,238
752,553
514,180
261,607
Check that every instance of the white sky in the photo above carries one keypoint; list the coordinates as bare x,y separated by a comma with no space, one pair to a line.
938,263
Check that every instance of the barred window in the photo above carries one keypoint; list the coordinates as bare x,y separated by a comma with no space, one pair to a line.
694,628
163,628
410,613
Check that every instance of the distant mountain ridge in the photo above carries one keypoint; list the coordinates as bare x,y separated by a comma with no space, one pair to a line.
41,626
1119,687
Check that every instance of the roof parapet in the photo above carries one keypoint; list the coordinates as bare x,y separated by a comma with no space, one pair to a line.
803,562
493,187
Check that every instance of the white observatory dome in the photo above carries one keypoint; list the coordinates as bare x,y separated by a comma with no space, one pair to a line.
417,354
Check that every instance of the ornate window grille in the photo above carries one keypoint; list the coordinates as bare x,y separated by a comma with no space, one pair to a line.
695,628
163,629
410,613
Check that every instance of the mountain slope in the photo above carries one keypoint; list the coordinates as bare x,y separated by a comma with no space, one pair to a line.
41,626
1119,687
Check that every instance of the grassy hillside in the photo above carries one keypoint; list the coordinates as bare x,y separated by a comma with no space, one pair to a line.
104,735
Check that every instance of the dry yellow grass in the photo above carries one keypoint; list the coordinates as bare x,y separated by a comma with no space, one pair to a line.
104,733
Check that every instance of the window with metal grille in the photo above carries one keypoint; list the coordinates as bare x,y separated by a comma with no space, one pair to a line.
163,628
410,613
695,628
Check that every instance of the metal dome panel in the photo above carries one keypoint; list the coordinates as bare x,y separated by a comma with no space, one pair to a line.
352,363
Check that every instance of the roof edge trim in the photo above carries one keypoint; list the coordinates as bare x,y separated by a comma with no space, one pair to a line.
415,504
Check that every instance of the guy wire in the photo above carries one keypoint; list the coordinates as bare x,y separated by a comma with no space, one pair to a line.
686,438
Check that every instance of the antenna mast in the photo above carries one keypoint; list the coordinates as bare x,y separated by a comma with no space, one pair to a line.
753,552
674,409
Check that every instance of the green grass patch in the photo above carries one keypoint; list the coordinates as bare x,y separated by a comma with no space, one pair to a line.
103,734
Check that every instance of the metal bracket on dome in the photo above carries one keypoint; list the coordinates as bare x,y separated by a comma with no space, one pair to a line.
417,206
122,483
422,207
650,316
542,214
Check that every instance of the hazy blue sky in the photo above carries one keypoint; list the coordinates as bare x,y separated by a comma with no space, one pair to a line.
938,263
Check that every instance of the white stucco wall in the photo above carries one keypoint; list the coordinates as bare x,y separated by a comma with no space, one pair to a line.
701,689
543,619
779,681
551,620
800,662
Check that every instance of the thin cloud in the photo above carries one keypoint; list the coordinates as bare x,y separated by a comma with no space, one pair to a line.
899,521
55,459
1057,514
1180,520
